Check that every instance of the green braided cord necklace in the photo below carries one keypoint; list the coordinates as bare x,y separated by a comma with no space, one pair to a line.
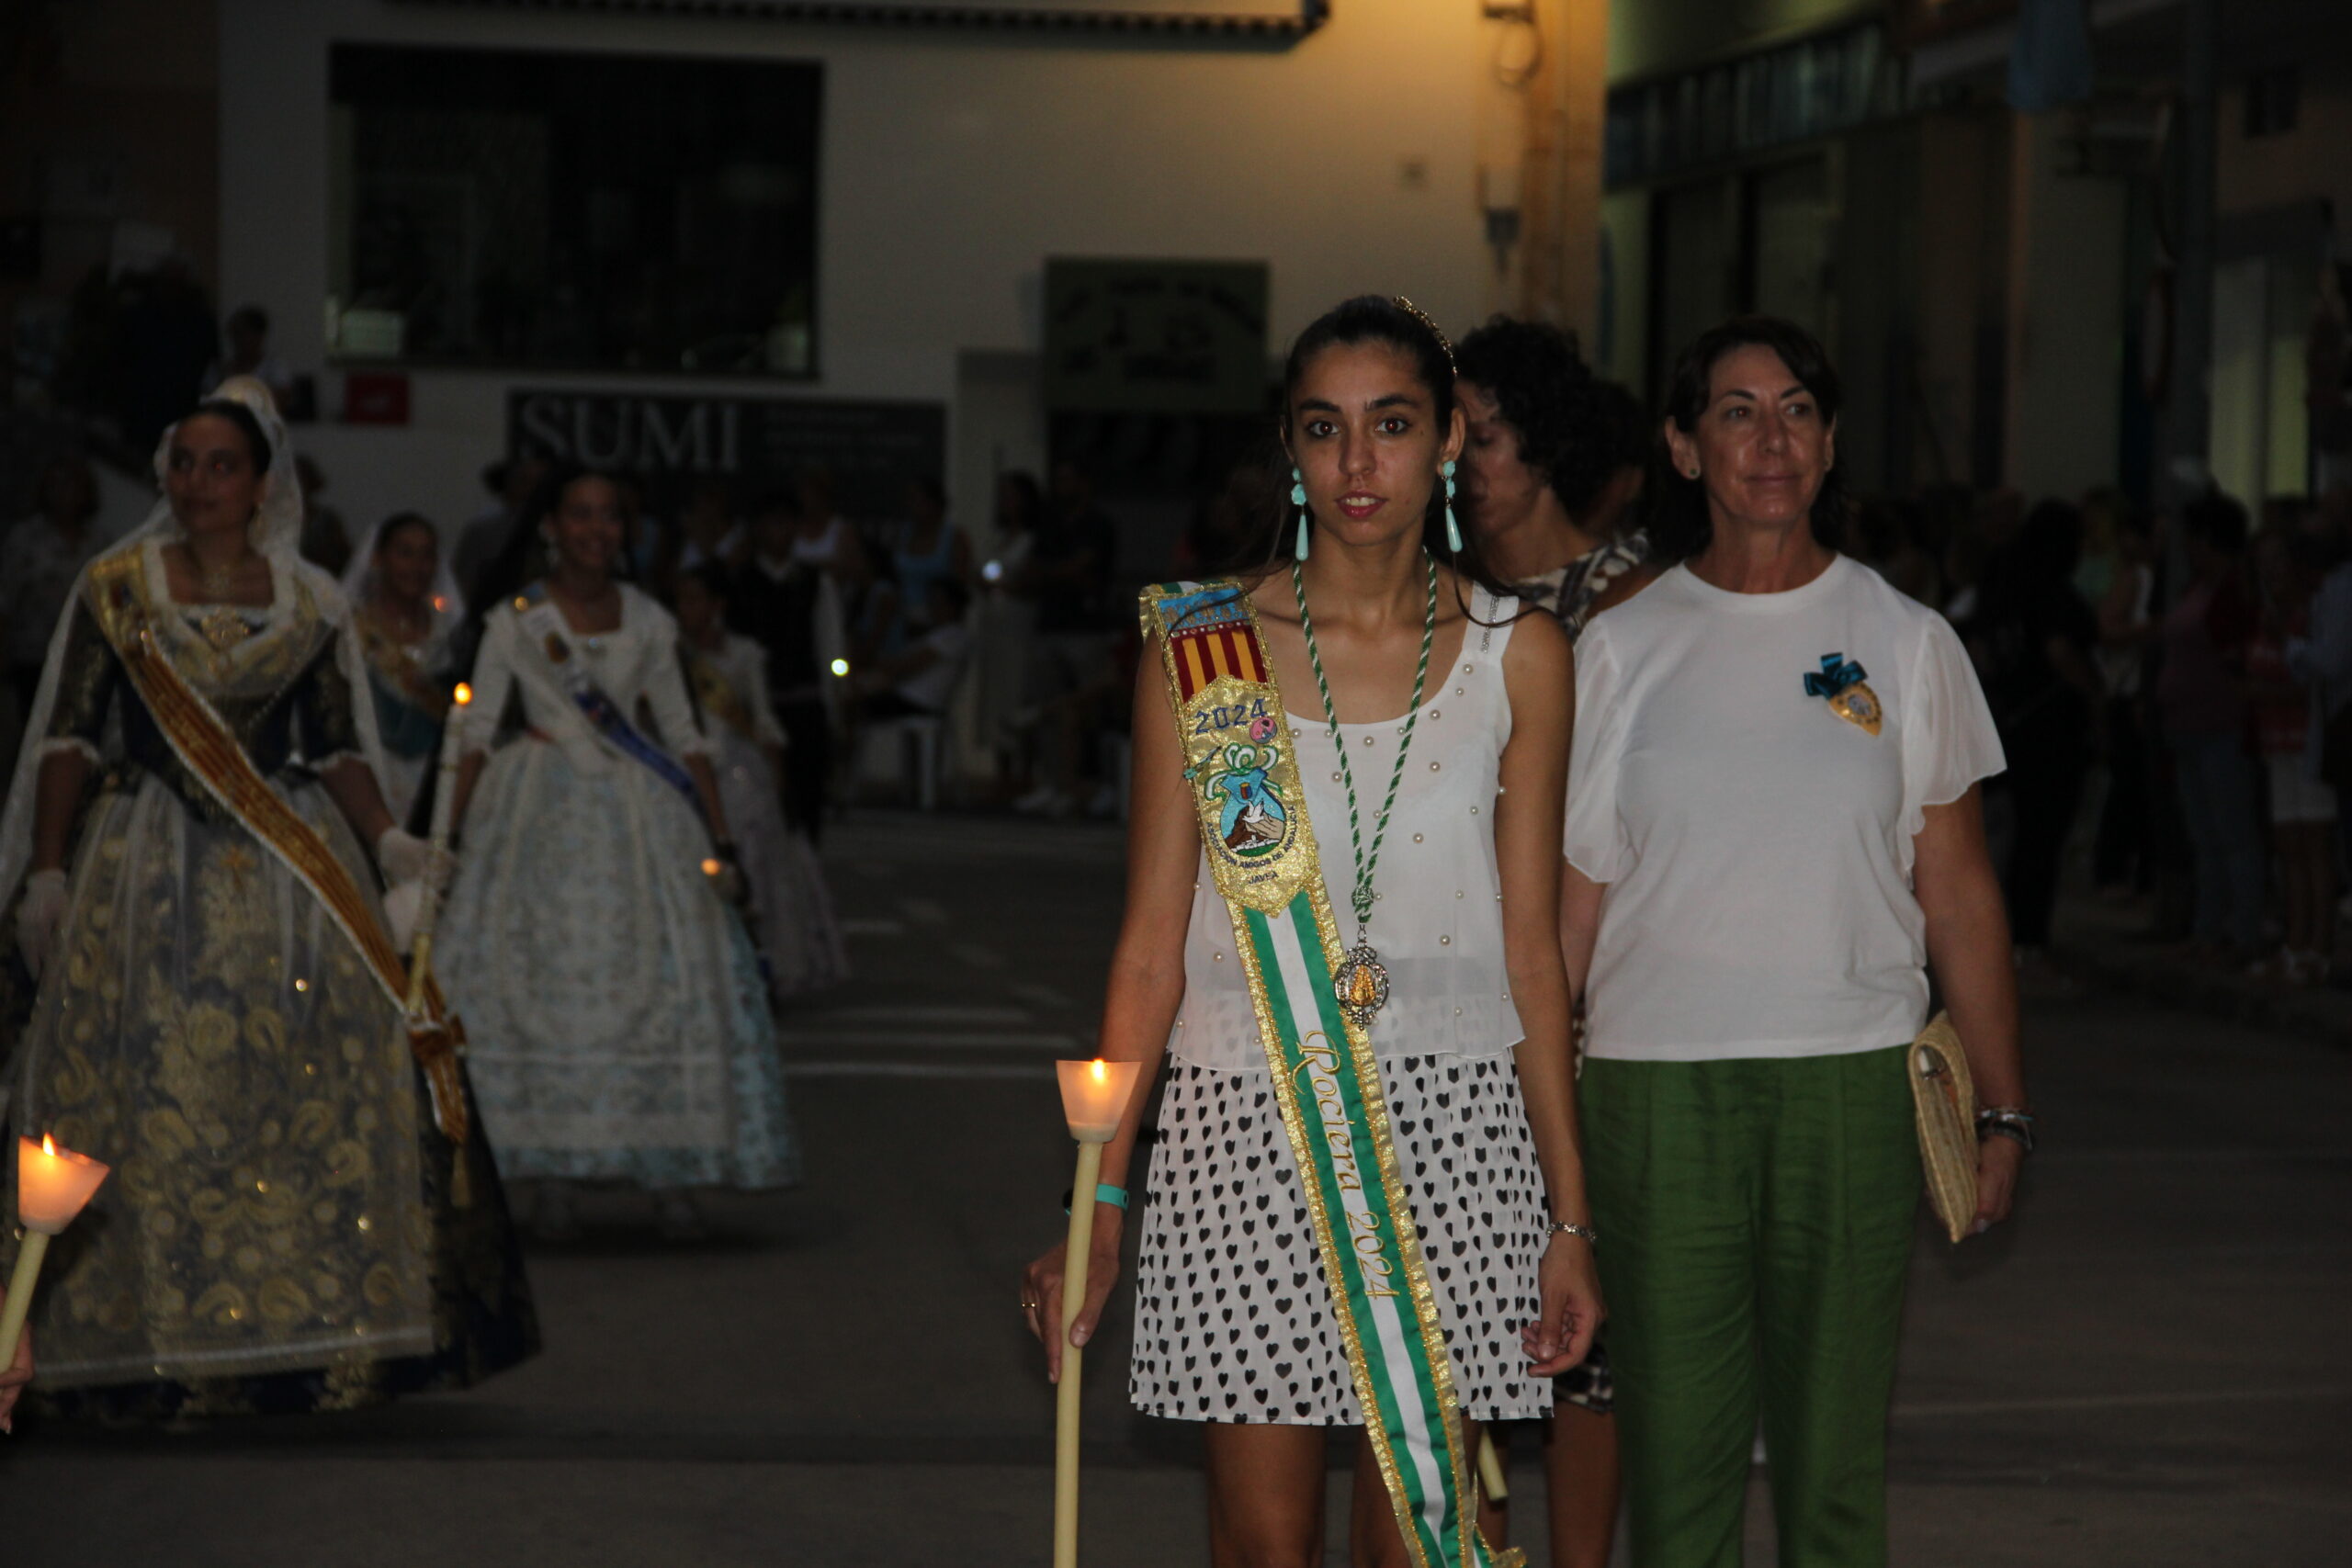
1361,982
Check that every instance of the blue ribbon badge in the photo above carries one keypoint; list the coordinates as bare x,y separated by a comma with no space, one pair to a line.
1845,683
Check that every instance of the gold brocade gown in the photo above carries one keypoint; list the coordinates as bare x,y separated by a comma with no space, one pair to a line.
277,1234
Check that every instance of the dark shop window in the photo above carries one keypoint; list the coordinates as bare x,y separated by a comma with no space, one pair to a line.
584,211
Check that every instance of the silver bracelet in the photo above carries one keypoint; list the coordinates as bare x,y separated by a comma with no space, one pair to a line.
1562,1227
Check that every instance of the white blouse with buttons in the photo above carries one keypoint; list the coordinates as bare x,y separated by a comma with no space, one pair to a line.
1437,919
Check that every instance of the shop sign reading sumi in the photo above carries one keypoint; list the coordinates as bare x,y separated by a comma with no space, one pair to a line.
1319,1064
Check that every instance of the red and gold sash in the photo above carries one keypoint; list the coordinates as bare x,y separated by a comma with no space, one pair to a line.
204,743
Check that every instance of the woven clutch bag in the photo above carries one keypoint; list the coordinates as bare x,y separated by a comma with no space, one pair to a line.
1944,1098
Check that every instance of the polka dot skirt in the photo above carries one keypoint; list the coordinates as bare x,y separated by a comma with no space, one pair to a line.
1233,1316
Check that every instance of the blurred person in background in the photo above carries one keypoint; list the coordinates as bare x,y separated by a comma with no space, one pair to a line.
247,331
406,611
1551,465
40,558
165,342
326,543
2200,703
1073,566
618,1028
793,610
919,680
2033,638
708,532
1883,534
2122,853
490,534
1007,628
929,549
727,673
2286,568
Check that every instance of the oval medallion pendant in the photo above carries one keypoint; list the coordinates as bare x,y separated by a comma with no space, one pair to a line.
1361,985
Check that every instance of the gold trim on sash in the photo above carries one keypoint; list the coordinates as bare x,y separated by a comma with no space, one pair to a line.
117,599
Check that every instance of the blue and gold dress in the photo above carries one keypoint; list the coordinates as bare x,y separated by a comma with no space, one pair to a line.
279,1231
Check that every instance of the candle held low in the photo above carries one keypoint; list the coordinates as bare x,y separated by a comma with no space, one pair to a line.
53,1186
1094,1099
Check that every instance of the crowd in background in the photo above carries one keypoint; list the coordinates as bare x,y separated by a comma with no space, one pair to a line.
2164,684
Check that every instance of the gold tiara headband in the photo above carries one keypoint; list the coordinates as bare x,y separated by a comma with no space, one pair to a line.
1435,330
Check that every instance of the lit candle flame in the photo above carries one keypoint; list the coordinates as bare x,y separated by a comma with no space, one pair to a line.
49,1145
1101,1072
710,868
464,693
439,602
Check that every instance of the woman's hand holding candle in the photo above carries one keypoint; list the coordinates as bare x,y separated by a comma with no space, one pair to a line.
1041,1287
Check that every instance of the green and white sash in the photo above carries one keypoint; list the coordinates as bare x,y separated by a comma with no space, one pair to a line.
1244,778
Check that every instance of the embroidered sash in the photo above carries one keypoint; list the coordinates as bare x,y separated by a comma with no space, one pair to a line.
538,614
1244,778
205,744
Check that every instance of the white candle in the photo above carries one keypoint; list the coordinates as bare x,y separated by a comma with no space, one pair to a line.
453,749
1094,1096
53,1186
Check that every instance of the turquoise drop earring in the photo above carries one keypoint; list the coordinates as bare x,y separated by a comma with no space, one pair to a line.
1298,499
1453,529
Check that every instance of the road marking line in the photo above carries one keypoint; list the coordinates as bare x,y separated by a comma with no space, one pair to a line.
2121,1400
1044,996
1035,1073
880,1015
926,1039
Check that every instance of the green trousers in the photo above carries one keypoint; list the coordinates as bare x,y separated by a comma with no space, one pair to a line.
1756,1221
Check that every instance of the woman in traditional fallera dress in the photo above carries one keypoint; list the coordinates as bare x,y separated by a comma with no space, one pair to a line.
406,610
792,908
619,1030
1399,663
286,1228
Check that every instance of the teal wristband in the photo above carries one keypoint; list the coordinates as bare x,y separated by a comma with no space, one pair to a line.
1103,1193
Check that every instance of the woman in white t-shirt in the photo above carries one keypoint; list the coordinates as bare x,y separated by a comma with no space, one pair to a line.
1773,831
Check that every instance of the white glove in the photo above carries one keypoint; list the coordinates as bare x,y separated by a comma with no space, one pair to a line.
402,856
402,905
38,916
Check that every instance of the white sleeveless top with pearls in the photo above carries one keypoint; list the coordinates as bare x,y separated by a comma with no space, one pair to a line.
1437,920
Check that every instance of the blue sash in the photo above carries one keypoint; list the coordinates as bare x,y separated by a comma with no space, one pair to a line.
540,617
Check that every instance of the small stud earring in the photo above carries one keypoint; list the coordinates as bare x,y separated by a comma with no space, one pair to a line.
1298,499
1693,473
1453,529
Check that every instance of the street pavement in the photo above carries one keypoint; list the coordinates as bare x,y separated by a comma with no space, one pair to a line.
2149,1367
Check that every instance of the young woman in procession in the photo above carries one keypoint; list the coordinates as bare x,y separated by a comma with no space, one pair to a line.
302,1214
619,1028
792,910
1366,1195
406,611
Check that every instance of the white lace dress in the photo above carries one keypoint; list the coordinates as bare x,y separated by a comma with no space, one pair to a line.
619,1026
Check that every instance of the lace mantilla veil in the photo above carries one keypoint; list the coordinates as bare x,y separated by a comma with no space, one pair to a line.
277,532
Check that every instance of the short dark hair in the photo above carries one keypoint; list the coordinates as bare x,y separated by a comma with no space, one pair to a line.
959,597
248,425
251,316
1679,525
1548,396
400,520
714,577
2216,520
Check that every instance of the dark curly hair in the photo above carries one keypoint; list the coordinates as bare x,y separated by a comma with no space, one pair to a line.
1679,525
1567,427
1367,317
